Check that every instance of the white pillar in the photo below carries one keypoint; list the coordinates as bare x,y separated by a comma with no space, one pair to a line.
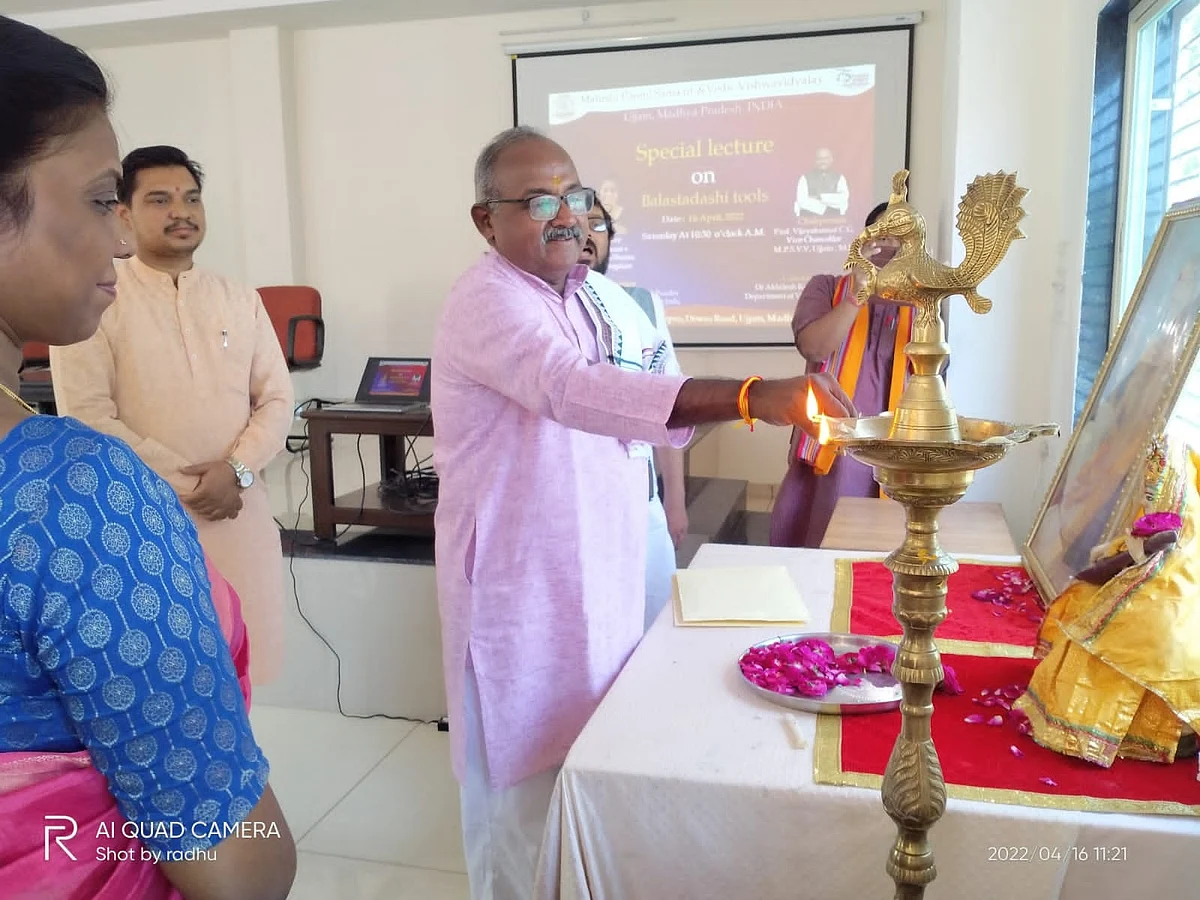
265,155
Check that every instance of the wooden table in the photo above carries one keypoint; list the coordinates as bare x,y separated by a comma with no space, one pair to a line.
367,506
863,523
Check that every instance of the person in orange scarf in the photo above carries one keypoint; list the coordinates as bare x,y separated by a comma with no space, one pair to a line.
863,347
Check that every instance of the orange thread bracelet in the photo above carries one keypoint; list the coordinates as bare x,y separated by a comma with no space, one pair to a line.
743,402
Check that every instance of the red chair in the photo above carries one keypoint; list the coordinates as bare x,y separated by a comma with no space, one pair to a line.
295,311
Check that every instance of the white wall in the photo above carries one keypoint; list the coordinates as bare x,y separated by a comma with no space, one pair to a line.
180,94
388,119
1023,103
382,618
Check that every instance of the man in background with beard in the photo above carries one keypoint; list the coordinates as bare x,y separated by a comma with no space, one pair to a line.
668,505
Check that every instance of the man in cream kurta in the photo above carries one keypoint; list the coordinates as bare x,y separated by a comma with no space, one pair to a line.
186,368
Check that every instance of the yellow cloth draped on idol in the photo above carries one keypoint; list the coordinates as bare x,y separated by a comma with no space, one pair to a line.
1120,669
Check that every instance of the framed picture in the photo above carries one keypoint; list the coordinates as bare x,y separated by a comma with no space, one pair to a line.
1134,397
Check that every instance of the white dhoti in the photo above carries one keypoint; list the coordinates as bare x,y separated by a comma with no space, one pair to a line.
660,563
502,829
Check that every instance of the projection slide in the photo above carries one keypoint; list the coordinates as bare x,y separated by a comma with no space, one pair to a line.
728,194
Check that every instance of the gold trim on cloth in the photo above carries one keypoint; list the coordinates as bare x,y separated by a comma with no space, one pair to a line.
843,598
827,769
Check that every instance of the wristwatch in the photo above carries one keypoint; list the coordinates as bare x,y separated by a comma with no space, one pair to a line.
245,477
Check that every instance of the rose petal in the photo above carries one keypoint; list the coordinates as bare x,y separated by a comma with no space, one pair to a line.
984,692
950,683
974,719
1024,726
1016,751
809,667
1048,781
813,688
996,720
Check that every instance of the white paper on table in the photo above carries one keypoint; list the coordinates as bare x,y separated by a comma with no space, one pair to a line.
738,595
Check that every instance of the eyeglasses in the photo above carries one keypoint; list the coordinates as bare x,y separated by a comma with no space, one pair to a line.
597,225
544,207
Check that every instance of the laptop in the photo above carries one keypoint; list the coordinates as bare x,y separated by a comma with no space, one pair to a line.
391,384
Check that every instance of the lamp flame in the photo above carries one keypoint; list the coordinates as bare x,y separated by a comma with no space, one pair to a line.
815,416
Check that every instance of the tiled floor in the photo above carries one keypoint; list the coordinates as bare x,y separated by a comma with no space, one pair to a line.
760,497
372,804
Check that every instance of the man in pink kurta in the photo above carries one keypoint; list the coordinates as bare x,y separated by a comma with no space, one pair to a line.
541,414
186,368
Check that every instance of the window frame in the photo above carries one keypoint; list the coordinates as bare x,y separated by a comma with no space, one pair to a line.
1134,166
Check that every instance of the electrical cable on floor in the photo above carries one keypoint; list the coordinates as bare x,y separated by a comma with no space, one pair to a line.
412,489
294,541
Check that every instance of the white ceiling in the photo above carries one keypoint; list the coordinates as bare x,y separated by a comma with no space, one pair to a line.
109,23
144,9
21,7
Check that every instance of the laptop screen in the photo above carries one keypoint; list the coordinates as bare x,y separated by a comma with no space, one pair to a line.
395,381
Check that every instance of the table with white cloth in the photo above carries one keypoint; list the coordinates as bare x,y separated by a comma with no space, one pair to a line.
687,785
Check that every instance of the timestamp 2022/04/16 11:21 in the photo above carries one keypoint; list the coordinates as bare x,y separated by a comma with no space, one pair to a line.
1018,853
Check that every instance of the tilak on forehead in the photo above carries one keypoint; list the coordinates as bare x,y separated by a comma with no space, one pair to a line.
556,181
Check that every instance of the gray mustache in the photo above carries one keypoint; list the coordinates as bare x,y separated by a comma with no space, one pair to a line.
562,233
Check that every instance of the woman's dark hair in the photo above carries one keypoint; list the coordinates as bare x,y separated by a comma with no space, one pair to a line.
874,214
160,157
48,90
608,222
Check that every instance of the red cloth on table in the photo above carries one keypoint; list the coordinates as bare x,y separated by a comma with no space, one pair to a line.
979,756
968,619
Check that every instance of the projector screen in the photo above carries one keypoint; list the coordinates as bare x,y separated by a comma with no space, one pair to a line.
734,170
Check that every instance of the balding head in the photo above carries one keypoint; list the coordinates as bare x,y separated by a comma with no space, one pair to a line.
514,167
489,158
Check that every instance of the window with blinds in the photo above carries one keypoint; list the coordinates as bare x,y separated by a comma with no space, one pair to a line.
1146,120
1104,164
1183,182
1184,167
